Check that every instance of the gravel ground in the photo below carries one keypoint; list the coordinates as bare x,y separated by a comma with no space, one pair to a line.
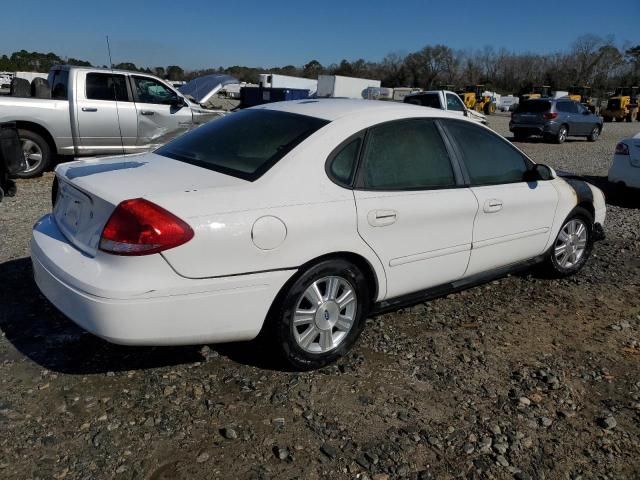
525,378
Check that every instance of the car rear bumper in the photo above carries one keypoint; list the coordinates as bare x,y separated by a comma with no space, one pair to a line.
621,171
172,310
535,128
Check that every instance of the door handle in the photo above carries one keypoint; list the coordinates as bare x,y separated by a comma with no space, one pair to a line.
381,218
146,112
492,205
89,109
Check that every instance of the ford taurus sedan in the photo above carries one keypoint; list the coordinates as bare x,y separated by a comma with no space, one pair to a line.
296,221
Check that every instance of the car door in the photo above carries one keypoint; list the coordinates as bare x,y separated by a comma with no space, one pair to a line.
585,118
569,115
412,208
455,105
514,216
161,113
105,113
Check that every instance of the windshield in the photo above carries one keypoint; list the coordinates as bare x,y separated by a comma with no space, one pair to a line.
533,106
244,144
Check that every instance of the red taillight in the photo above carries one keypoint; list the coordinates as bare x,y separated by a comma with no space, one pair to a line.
550,115
139,227
622,149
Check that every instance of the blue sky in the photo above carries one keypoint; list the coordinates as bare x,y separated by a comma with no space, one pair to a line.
199,33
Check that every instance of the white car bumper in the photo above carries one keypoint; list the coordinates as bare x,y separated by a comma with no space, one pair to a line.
142,301
621,170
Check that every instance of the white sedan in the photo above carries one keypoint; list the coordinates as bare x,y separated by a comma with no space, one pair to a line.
625,167
298,220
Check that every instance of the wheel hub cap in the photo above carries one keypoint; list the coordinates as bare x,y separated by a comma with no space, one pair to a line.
571,243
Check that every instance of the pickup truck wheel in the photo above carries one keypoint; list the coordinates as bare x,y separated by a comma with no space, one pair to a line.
37,153
321,314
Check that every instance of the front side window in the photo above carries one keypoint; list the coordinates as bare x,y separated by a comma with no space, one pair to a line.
149,90
454,103
489,159
406,155
106,86
243,144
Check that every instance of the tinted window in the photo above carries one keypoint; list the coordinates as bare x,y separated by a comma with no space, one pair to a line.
343,164
454,103
149,90
426,100
406,155
533,106
563,107
106,86
243,144
58,80
489,159
573,107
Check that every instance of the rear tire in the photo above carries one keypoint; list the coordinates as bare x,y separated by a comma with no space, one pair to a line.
607,119
595,133
311,330
37,152
519,136
572,246
562,134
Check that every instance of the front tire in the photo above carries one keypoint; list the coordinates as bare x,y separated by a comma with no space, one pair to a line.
573,244
321,314
37,153
595,133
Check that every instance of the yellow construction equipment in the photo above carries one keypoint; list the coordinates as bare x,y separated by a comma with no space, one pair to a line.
473,98
537,92
583,95
622,105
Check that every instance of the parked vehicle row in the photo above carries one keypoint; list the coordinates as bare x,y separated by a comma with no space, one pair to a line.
554,120
297,220
444,100
96,112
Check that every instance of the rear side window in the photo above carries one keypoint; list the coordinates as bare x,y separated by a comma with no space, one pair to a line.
489,159
106,86
406,155
534,106
343,164
243,144
58,80
425,100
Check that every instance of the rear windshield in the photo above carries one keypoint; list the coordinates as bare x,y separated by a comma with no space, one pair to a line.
425,100
244,144
534,106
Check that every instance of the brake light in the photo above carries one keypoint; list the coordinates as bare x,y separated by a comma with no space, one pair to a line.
622,149
139,227
550,115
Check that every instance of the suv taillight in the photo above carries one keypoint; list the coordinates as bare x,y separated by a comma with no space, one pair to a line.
550,115
622,149
139,227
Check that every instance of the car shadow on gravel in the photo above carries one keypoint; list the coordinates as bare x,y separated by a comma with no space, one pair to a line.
615,194
40,332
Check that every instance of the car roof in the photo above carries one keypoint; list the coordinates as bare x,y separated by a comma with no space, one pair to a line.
334,108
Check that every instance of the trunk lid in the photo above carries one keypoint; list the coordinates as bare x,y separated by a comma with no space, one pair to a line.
89,190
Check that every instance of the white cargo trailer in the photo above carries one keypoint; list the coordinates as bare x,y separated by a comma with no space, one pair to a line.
345,87
274,80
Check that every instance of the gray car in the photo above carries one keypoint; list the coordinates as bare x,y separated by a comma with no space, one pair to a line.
555,120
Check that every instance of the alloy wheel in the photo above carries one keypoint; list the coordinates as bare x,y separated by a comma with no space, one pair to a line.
32,154
324,314
571,243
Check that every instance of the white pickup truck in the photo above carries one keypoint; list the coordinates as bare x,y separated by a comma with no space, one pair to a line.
444,100
92,111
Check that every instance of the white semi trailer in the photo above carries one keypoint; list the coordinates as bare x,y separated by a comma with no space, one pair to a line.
345,87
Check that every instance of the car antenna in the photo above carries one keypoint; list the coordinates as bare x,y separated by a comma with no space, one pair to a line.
115,93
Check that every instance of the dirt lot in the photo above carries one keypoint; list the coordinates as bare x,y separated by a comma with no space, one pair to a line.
525,378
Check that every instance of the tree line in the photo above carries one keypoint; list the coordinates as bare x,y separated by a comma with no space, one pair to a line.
590,60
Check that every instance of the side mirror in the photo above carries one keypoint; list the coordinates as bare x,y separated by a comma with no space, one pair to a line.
177,102
539,172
